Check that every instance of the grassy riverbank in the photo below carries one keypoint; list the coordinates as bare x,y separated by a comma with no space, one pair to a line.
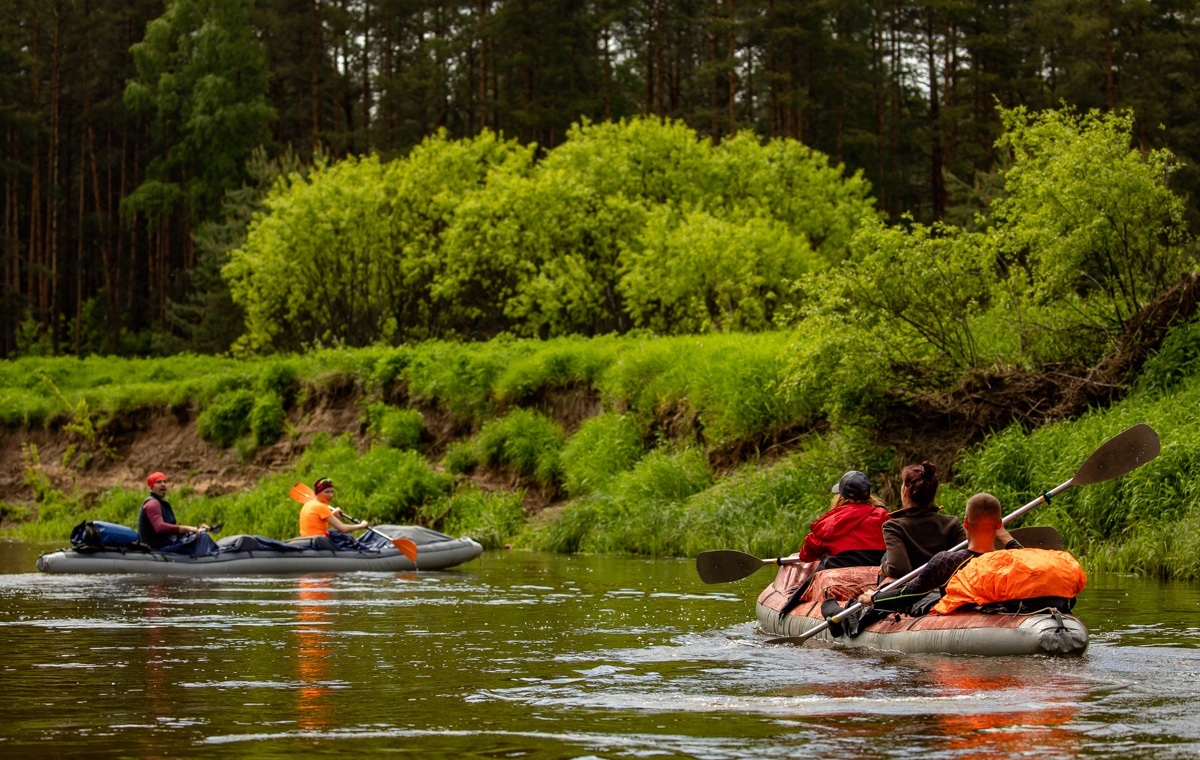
656,463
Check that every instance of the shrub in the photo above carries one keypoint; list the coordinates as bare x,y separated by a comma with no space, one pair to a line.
602,448
226,418
526,441
398,428
460,457
278,377
492,519
267,419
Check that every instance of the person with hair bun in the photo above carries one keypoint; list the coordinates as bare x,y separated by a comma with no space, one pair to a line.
918,530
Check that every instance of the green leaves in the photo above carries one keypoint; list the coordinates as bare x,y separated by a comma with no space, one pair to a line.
636,223
1089,216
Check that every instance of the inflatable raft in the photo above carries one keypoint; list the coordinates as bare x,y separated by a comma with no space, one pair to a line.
245,555
1045,632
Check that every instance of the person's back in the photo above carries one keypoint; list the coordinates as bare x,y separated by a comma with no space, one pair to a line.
918,531
849,533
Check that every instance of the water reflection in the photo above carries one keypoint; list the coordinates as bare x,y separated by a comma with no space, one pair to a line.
548,656
313,652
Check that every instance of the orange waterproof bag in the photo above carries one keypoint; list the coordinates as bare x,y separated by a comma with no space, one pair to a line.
1011,575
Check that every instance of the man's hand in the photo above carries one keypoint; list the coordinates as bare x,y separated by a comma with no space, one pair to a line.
867,599
1004,536
337,512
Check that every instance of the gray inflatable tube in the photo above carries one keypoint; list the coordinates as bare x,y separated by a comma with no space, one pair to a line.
435,551
1037,633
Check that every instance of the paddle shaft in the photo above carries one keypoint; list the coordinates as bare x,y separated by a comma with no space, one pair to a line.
914,573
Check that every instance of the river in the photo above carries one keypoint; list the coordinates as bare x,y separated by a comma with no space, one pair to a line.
521,655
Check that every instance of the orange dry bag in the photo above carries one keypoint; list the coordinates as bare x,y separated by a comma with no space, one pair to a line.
1011,575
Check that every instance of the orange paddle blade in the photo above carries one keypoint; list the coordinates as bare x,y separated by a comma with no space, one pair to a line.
407,547
302,493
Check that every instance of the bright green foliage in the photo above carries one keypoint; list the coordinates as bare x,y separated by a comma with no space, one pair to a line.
925,284
348,254
602,448
1086,234
398,428
558,363
693,272
279,377
526,441
491,518
721,388
314,266
227,418
267,418
539,253
640,511
460,457
471,237
1089,217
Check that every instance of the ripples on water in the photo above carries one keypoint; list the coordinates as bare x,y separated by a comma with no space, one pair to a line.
521,655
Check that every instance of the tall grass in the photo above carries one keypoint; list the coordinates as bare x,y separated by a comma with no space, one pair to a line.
1145,522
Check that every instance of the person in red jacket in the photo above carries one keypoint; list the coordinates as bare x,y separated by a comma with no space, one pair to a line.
850,534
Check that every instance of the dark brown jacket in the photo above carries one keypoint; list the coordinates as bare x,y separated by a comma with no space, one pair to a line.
914,535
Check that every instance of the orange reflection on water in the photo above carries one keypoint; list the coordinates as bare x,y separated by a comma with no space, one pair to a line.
1000,733
313,653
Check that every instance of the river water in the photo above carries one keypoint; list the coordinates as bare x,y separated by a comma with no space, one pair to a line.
521,655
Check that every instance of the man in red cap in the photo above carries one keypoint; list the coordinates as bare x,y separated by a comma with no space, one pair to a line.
156,520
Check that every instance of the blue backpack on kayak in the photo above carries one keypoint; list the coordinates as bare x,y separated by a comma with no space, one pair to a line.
94,535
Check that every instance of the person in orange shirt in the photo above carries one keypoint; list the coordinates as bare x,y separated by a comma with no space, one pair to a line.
317,517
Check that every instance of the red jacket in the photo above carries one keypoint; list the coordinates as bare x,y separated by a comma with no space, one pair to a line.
850,527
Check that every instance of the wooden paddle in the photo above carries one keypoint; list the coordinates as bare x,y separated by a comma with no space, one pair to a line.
1120,455
303,494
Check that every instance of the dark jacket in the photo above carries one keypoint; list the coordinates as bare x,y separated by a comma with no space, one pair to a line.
156,522
914,535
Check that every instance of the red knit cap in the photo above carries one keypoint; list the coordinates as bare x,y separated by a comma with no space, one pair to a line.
154,477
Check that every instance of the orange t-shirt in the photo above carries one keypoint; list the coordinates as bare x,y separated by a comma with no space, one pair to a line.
314,518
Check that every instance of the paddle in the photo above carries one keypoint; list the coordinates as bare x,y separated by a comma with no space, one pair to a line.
1037,537
1120,455
728,565
406,546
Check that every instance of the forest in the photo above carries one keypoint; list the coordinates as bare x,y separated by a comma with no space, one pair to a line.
140,137
604,277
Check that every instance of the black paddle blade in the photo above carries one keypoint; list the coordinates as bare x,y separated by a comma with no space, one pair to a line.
726,565
1038,537
1119,456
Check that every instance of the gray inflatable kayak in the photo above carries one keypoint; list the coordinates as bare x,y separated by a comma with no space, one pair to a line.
238,556
1045,632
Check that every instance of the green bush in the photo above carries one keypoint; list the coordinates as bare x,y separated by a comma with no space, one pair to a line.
278,378
460,457
492,519
398,428
602,448
267,418
525,441
1176,360
227,417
